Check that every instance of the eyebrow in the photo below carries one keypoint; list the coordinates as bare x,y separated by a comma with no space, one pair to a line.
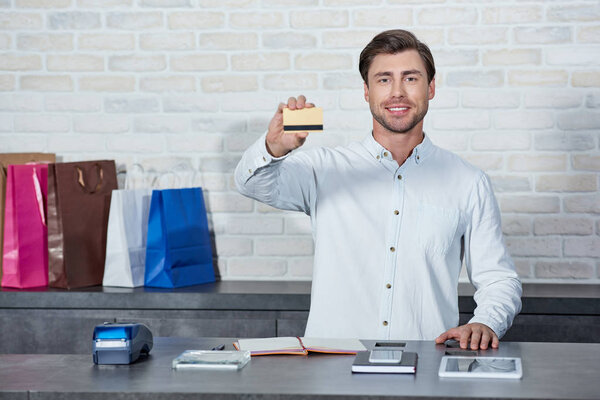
412,72
403,73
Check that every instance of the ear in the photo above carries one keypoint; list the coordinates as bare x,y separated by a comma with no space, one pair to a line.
366,92
431,89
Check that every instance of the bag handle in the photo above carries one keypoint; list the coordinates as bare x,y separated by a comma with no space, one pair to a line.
187,175
198,176
179,176
81,179
162,181
39,196
134,175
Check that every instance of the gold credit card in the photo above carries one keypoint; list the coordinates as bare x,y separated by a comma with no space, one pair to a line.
304,120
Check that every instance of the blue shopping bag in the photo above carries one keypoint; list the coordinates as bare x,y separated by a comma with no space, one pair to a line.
178,250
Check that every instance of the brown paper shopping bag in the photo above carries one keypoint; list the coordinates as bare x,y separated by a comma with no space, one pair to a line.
78,207
7,159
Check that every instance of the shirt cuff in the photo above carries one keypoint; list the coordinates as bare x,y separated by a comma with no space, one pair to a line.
256,157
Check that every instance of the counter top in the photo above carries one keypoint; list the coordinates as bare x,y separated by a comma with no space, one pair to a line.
568,299
550,371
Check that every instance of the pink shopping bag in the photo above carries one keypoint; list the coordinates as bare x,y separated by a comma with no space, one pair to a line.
25,257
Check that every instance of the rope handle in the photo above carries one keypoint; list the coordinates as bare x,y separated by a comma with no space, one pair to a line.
39,196
81,179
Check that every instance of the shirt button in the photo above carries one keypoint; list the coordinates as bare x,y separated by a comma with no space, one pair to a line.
399,176
389,286
385,153
418,158
392,249
385,323
250,170
396,212
264,159
378,157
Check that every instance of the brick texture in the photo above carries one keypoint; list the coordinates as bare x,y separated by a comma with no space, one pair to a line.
166,83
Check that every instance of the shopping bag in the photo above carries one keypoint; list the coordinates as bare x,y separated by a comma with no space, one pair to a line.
15,159
25,257
126,238
178,251
78,207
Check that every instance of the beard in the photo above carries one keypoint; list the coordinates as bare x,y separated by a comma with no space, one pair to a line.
399,125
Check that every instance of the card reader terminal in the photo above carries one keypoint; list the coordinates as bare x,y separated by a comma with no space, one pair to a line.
120,343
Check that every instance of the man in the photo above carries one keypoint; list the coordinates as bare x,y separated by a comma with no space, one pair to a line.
392,216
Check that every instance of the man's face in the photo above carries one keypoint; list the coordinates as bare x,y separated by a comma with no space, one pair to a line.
398,92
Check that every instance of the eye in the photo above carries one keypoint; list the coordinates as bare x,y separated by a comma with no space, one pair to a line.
411,78
383,80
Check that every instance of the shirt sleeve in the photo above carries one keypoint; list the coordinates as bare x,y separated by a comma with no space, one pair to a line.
489,266
284,182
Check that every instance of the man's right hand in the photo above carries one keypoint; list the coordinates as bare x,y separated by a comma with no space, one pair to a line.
280,143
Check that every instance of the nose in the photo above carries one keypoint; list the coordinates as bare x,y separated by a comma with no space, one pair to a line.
397,88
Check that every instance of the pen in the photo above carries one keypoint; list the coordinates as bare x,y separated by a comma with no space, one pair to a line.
219,347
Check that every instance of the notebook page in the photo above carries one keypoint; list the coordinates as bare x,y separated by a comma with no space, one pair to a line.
333,344
270,344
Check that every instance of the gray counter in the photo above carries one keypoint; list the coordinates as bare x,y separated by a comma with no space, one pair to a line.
550,371
539,298
60,321
224,295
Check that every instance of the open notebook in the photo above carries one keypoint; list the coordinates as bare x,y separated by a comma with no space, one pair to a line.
299,346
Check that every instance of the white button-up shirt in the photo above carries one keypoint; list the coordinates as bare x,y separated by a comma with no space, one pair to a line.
389,239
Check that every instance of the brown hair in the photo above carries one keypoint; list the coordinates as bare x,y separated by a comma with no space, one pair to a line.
392,42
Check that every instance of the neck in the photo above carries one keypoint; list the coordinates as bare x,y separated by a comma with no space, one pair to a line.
400,145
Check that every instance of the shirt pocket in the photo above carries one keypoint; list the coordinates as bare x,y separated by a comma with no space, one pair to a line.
436,228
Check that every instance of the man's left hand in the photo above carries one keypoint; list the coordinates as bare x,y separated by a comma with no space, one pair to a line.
478,335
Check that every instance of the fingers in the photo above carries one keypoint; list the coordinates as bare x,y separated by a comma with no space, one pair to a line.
465,334
449,334
280,108
301,138
487,335
442,338
475,339
294,103
475,335
485,340
291,103
298,103
495,341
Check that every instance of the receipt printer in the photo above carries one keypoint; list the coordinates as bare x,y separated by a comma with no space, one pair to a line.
120,343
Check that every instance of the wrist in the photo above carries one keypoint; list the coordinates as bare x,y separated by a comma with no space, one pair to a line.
275,151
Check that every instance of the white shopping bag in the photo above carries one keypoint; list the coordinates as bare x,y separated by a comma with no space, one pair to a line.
126,238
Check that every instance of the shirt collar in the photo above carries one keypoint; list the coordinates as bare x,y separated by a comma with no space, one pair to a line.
377,151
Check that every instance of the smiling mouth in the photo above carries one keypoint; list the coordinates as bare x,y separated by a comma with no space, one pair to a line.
397,108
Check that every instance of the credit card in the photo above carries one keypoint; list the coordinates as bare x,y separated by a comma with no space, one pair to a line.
303,120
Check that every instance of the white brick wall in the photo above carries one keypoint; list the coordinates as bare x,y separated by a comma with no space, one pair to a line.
170,82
